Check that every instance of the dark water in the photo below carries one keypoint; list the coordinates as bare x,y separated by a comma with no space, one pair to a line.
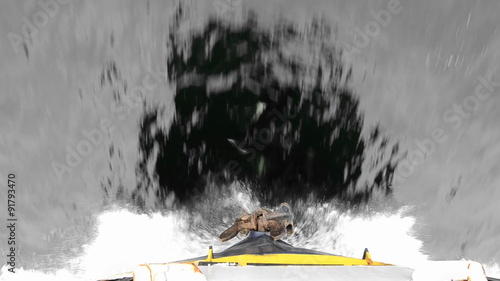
251,105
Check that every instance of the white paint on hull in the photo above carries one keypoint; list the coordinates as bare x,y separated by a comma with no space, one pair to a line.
306,273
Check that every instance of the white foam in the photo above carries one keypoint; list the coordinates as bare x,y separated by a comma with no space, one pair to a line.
388,236
125,238
492,270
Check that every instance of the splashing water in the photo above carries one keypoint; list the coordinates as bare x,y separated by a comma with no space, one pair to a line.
388,236
492,269
125,238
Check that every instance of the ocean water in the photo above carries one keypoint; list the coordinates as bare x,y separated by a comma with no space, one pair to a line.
123,237
70,82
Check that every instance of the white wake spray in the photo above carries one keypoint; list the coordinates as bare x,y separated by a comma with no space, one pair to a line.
388,236
126,238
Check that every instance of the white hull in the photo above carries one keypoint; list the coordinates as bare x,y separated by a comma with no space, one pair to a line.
433,271
306,273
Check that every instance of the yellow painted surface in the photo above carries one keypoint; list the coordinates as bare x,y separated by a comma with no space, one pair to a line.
292,259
